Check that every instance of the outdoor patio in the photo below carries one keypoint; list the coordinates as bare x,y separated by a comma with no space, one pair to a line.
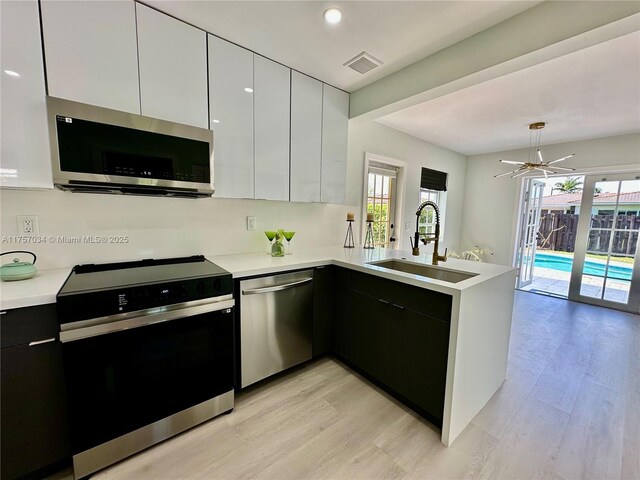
556,282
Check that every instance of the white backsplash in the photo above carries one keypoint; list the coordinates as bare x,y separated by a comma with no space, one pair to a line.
160,227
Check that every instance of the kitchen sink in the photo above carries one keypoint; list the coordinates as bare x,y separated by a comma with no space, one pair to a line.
437,273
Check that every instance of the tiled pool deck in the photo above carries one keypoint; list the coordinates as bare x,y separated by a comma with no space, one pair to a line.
556,282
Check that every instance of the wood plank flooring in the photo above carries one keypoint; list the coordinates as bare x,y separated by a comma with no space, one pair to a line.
569,409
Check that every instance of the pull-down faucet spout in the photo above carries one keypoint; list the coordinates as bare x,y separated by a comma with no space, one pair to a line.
435,237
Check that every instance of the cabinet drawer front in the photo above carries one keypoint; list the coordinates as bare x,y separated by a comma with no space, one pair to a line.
421,300
424,301
374,286
30,324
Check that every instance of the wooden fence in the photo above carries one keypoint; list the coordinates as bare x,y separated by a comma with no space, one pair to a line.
557,231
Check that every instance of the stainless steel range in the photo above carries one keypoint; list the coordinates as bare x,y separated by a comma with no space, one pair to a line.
148,352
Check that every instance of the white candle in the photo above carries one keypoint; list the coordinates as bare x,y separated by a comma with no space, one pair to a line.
369,217
351,216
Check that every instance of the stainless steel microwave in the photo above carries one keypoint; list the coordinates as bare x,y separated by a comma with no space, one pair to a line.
98,150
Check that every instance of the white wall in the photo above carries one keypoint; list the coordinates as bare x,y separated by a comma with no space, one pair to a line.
491,204
375,138
161,227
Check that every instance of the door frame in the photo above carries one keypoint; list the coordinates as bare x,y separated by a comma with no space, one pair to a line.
584,222
525,235
399,194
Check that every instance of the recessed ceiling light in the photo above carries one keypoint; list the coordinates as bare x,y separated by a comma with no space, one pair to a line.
215,120
248,90
11,73
333,15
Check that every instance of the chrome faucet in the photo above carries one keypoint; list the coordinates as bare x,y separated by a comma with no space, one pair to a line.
427,237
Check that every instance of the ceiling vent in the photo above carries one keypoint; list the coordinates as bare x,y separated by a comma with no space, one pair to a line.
363,63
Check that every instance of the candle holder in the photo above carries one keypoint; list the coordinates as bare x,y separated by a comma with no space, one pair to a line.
348,239
368,239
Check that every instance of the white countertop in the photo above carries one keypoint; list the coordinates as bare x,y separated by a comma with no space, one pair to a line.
44,287
247,265
39,290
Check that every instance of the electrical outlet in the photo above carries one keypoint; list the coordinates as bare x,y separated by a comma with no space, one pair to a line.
28,225
251,223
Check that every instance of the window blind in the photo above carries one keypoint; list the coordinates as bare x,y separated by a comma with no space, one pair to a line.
433,180
383,169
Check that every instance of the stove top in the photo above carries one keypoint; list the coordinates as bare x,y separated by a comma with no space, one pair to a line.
100,290
87,278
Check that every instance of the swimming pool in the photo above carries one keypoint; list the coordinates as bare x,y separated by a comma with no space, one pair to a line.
557,262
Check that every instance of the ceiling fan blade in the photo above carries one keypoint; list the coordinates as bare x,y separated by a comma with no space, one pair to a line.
561,159
540,156
565,169
503,174
512,162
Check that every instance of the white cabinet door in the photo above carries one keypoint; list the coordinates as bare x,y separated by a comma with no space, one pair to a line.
91,52
306,137
272,100
231,114
335,123
25,159
173,68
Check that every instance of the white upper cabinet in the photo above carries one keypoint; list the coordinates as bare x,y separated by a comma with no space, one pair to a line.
25,158
272,100
335,120
91,52
306,137
231,114
173,68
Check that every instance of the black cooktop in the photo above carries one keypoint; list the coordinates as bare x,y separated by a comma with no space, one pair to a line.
91,277
94,291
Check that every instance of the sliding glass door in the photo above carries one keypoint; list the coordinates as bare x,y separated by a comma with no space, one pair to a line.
606,269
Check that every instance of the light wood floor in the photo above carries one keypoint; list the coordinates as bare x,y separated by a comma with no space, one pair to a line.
569,409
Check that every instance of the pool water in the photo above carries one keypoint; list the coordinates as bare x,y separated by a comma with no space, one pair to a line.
557,262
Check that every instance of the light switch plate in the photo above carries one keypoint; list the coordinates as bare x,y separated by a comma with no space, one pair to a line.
251,223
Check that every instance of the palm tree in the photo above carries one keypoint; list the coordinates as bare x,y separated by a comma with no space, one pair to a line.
570,185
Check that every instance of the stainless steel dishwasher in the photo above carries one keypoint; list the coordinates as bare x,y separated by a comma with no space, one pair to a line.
276,323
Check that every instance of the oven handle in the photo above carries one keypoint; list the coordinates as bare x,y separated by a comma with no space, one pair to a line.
276,288
71,335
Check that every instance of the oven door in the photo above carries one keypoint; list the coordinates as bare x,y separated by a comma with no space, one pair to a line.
120,381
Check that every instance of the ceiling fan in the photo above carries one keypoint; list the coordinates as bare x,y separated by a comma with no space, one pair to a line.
531,165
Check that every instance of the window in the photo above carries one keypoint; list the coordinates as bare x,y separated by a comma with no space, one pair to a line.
427,221
380,201
433,187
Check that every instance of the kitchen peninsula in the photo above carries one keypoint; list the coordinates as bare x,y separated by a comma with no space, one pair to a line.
478,310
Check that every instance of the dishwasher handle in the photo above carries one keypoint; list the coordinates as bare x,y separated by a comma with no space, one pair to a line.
276,288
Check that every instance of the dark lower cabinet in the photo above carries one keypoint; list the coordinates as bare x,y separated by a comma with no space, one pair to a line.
369,334
420,346
322,309
34,430
340,318
399,336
